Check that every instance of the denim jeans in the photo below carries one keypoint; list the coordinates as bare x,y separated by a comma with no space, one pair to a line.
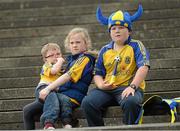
98,100
57,105
37,90
66,107
51,109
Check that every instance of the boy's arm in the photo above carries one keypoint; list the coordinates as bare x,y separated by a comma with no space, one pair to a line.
57,67
139,77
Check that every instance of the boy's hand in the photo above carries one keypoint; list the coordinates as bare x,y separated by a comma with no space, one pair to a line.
127,92
60,60
43,93
107,86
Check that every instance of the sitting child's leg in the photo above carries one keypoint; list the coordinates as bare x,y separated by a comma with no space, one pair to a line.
29,112
66,110
50,111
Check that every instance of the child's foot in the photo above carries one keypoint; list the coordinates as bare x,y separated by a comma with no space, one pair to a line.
67,126
48,126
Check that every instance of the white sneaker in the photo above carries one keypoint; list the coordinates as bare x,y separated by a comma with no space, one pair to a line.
67,126
50,128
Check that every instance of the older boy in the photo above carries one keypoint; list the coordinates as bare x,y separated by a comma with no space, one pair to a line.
120,70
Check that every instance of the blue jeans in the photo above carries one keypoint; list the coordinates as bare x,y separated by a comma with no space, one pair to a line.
37,90
98,100
57,105
66,107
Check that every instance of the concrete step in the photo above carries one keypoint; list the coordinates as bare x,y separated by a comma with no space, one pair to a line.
91,19
35,70
169,89
25,4
96,33
21,82
162,85
151,126
39,41
37,61
111,123
28,93
155,15
163,53
21,62
15,22
79,9
156,126
15,98
28,4
29,42
70,10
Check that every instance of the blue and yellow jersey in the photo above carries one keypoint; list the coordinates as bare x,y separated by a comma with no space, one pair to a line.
77,69
80,68
46,76
132,56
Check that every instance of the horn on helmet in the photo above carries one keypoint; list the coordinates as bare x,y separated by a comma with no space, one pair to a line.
103,20
138,14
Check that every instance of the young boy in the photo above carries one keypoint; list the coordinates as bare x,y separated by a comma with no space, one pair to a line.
52,68
120,70
73,85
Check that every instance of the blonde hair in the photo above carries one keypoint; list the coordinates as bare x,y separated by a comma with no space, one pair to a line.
84,33
49,46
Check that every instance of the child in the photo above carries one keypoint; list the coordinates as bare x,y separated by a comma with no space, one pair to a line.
73,85
51,70
120,70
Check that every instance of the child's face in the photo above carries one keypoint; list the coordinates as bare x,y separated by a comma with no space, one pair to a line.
119,34
52,55
77,44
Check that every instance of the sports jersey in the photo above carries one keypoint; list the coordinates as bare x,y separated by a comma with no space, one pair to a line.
80,68
122,64
46,76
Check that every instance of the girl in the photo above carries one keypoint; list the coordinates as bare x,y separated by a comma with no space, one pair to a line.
73,85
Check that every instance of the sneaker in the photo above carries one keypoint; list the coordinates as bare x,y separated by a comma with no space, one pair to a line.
48,126
67,126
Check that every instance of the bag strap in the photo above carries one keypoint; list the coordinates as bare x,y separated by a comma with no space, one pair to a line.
172,104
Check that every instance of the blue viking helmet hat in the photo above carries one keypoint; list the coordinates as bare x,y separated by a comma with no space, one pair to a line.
119,18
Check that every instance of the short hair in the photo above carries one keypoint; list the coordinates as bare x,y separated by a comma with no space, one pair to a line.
84,34
49,46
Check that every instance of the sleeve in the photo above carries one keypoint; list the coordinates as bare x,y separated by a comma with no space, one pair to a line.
99,68
141,55
46,70
77,69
